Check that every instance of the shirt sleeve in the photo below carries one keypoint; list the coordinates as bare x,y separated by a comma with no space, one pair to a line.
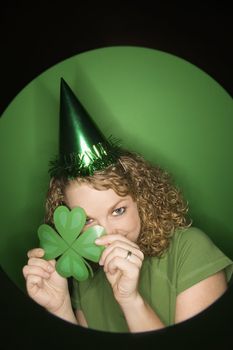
198,258
75,296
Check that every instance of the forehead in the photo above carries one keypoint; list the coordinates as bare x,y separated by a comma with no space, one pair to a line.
90,199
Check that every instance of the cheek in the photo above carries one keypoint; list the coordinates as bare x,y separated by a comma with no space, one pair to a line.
134,223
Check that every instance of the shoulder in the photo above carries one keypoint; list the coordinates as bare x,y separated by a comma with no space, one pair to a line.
196,257
191,237
191,233
194,244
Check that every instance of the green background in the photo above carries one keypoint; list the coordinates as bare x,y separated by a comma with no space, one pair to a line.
162,106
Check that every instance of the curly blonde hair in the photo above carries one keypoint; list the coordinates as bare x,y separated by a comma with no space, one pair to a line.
161,206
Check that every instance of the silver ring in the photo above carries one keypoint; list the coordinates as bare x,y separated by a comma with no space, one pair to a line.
128,255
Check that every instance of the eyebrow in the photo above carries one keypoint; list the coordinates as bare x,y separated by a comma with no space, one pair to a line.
111,208
116,204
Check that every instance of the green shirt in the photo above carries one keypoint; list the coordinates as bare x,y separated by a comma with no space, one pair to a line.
191,257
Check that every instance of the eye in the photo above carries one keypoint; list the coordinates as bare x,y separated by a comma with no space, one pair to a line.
88,221
119,211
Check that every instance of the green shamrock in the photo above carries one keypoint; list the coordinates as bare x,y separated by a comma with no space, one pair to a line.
71,245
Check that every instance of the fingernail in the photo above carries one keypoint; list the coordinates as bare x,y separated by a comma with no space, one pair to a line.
50,268
97,241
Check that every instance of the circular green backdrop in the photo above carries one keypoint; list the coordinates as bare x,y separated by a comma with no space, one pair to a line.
158,104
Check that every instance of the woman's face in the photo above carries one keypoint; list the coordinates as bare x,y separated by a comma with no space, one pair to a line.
118,215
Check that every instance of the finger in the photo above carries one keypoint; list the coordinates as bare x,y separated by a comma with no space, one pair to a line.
35,270
35,253
52,262
122,254
109,239
121,245
121,251
33,282
46,265
128,269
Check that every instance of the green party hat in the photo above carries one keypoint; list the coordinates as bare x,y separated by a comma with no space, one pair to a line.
83,149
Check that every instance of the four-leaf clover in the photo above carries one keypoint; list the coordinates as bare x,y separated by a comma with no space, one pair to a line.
72,246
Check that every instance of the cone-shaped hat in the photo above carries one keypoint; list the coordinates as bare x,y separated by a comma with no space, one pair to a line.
83,149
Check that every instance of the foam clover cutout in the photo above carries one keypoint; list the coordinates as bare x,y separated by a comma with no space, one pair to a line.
67,243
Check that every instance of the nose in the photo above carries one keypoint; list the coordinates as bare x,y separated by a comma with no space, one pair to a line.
110,229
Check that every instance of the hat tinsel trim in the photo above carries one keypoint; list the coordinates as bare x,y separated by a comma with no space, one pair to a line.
96,158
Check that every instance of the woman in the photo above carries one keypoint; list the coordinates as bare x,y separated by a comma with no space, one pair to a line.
156,269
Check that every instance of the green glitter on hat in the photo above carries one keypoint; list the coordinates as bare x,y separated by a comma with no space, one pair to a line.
83,149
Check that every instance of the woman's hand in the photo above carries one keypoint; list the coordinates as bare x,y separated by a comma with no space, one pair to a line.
122,261
122,271
43,283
